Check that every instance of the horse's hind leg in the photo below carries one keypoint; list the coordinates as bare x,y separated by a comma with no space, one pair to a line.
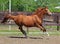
23,31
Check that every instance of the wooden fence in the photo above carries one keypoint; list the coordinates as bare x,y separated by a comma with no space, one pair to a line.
53,20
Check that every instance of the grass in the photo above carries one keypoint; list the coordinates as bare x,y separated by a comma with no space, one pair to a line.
9,31
36,33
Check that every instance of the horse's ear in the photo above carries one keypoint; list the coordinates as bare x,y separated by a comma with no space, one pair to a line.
40,8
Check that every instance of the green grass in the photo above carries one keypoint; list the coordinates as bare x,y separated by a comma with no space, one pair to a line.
35,33
9,31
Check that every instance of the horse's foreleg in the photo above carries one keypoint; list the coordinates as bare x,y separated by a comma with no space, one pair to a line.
43,29
23,31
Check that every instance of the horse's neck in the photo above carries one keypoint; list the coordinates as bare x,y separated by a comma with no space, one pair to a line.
12,17
39,14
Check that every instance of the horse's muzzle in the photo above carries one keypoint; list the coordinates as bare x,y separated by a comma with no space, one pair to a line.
50,14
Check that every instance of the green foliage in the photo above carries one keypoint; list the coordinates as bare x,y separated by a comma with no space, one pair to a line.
29,5
3,5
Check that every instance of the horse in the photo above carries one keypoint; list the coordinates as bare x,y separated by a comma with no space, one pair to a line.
34,20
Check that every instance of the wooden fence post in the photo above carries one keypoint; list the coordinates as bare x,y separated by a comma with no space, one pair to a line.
56,20
57,23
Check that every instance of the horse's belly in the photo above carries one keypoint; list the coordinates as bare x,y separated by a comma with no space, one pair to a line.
28,23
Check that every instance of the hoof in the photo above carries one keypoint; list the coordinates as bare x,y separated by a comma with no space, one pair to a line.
26,36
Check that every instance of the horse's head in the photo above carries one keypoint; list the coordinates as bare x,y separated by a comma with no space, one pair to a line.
46,11
6,17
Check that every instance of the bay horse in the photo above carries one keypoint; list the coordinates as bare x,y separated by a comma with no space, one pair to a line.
34,20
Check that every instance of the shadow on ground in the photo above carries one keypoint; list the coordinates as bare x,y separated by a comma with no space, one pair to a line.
25,37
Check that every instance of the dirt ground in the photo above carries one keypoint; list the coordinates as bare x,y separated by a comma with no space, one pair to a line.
30,40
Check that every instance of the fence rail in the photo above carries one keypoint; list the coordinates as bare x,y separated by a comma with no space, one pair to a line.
53,20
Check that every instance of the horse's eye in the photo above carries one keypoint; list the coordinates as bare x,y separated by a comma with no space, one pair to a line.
46,10
42,9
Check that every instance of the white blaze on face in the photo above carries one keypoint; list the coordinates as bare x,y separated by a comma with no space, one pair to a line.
49,12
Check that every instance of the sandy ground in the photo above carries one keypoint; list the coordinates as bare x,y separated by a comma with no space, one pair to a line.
31,40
